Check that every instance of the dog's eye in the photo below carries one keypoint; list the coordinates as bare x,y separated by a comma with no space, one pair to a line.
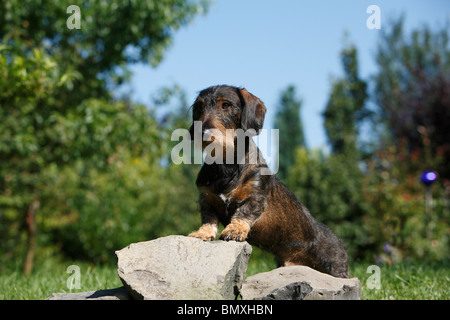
226,105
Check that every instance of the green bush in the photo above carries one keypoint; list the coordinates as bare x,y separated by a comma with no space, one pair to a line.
331,189
379,212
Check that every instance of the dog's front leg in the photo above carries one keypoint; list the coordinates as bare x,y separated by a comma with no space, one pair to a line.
210,223
243,219
207,232
236,230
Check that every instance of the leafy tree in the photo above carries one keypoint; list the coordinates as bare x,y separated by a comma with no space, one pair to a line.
411,93
289,124
412,90
113,34
55,160
103,198
137,196
63,138
25,83
96,172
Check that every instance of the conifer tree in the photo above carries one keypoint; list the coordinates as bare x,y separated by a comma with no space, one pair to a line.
291,136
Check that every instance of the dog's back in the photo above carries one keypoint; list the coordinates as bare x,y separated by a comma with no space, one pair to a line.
287,230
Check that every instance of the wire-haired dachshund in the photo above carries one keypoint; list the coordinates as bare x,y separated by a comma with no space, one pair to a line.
253,206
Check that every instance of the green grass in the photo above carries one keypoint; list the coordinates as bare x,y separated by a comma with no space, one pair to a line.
401,281
406,281
52,278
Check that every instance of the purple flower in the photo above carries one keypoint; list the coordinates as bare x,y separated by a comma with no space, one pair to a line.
387,247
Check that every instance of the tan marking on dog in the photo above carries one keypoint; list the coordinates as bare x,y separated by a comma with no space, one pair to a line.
207,232
236,230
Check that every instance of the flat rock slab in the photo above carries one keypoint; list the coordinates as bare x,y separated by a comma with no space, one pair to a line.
178,267
299,283
120,293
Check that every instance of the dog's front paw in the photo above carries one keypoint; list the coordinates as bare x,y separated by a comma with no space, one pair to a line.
237,230
201,235
206,233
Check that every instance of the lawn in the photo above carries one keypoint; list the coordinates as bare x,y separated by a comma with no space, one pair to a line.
406,281
401,281
52,277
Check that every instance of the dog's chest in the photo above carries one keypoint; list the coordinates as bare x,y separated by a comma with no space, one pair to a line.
224,204
230,203
225,199
226,190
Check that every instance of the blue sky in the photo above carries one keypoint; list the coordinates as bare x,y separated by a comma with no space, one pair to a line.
265,45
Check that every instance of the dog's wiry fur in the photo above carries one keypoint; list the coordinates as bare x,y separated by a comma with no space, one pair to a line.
254,207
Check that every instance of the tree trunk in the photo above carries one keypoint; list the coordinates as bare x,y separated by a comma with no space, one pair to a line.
30,222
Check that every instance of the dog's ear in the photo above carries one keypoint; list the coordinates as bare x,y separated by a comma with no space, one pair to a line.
253,112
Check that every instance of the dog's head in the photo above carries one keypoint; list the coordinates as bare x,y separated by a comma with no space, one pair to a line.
226,107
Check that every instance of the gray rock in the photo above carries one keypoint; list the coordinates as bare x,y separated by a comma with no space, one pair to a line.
178,267
120,293
299,283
